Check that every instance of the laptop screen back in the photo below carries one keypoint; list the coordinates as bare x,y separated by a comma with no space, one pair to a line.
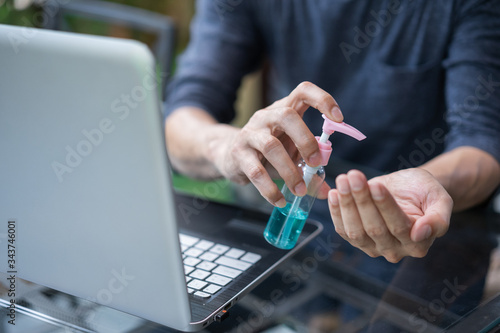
84,172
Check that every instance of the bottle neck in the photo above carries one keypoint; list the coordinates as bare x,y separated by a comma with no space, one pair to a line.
309,172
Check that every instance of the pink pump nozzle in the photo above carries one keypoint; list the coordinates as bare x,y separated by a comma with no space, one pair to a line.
329,126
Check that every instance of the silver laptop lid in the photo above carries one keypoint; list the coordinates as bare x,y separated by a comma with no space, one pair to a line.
84,172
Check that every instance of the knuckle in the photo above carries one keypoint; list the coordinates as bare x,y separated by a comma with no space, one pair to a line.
356,236
243,136
287,115
259,114
304,85
258,119
326,99
269,144
244,130
400,231
419,252
310,141
287,112
255,171
362,197
392,256
372,253
376,232
346,201
393,260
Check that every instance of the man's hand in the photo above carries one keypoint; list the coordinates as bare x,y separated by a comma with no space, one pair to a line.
271,143
395,215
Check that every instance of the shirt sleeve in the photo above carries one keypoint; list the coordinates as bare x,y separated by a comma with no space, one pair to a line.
224,46
473,78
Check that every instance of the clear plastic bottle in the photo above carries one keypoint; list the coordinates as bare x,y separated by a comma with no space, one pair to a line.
285,224
284,228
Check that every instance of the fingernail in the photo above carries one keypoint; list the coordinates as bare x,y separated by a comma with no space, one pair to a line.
300,189
356,184
343,186
423,233
377,193
315,159
280,203
334,199
428,232
337,114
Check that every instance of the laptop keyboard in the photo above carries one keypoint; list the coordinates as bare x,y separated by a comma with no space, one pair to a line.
209,266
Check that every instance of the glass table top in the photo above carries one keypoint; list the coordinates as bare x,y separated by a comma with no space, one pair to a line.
328,287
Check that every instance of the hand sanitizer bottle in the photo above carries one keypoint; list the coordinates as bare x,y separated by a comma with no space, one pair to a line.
285,224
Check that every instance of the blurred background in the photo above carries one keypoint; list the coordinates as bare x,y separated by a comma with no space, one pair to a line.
26,13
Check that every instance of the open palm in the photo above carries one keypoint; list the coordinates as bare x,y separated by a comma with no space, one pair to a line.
394,215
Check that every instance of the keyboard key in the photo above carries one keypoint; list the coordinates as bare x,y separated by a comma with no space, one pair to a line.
251,257
226,271
188,269
199,274
190,291
184,247
219,248
197,284
209,256
212,289
188,240
188,279
190,261
233,263
201,294
192,252
234,253
208,266
218,279
204,245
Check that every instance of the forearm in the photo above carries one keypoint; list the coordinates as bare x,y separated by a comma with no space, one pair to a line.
192,137
469,175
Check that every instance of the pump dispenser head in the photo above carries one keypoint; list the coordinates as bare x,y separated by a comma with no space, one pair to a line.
329,126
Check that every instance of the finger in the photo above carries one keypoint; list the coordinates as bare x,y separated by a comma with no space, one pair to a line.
373,223
396,220
257,174
291,123
334,205
308,94
291,148
350,215
274,152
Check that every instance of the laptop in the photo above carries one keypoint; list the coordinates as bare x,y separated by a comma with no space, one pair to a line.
86,188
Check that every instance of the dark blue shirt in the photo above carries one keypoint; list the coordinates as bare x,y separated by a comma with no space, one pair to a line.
417,77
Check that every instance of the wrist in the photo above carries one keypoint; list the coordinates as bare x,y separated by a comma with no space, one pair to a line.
468,174
217,139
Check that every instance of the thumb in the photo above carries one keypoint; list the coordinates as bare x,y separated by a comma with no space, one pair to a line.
433,224
436,219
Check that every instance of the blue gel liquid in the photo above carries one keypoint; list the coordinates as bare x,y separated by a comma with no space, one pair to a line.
283,230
